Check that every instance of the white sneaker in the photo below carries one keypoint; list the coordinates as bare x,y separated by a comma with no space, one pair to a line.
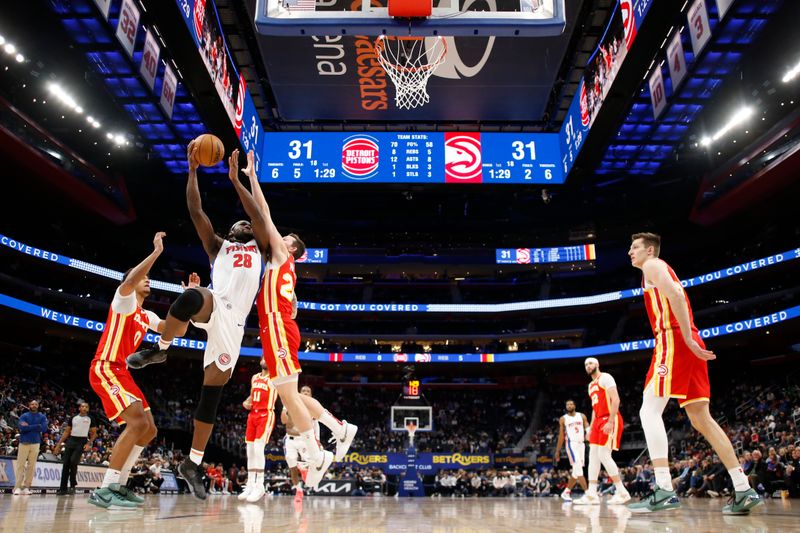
587,499
315,473
620,498
567,497
343,444
26,492
245,493
225,492
256,494
17,492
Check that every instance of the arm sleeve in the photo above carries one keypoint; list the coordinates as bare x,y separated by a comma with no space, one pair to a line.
607,381
25,429
153,320
124,305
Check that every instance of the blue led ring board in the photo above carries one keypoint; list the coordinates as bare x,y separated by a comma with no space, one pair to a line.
504,18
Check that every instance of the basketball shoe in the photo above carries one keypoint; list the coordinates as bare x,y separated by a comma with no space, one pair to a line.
194,478
147,356
343,444
620,498
126,493
587,499
105,498
658,500
741,502
315,473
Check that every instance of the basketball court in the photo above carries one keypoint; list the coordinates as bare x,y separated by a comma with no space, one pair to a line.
169,514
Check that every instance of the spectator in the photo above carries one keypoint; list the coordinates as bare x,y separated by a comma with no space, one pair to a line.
31,426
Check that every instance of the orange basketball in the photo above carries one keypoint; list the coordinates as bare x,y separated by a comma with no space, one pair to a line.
210,150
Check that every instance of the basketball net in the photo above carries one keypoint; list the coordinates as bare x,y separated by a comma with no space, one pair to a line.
410,62
411,427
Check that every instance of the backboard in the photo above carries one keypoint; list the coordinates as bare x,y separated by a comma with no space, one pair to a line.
421,414
508,18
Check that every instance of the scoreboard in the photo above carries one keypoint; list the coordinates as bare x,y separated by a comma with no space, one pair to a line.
411,157
314,255
560,254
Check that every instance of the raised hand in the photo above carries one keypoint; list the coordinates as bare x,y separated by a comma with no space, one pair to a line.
250,169
194,281
233,166
191,155
158,244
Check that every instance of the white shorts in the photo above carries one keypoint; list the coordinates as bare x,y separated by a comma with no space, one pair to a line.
225,330
295,450
576,452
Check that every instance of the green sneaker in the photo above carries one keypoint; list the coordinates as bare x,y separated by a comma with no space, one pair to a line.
126,493
658,500
741,502
105,498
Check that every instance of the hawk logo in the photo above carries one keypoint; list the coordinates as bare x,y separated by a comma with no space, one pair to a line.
628,21
224,359
282,353
662,370
584,101
239,106
462,158
199,15
422,358
114,390
360,157
523,256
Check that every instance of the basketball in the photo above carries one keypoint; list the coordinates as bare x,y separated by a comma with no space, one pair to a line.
210,150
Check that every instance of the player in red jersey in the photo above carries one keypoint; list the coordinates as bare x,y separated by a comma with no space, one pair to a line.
109,377
678,369
260,423
280,340
605,434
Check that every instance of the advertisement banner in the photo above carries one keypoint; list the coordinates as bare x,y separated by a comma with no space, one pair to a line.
48,474
149,67
699,28
512,460
658,95
676,60
168,89
128,25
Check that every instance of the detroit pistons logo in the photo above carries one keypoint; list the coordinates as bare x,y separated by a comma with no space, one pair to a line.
523,256
462,156
628,21
282,353
400,358
224,359
239,106
360,157
662,370
114,390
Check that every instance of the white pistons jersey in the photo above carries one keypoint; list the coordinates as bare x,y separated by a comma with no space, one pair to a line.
236,275
573,425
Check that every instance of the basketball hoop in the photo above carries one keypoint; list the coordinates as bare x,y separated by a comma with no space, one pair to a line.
410,62
411,427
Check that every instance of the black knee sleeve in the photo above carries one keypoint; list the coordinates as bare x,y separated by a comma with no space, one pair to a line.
207,406
187,305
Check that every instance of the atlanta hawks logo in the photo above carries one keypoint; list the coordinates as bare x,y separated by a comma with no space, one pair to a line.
523,256
224,359
282,353
114,390
462,155
662,370
239,106
628,21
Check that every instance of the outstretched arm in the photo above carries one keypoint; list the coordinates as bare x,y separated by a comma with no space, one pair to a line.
656,272
278,249
140,271
211,241
257,220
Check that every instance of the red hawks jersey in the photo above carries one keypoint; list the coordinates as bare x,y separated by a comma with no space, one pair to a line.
598,392
658,309
262,392
125,328
277,289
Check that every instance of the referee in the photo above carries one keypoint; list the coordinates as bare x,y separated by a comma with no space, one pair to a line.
76,439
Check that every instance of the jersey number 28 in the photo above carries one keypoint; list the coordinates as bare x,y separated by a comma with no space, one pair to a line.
242,260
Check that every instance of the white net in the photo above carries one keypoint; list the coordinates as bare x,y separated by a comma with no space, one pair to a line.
410,62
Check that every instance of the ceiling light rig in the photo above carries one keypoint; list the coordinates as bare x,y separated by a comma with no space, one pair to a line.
740,116
119,139
11,50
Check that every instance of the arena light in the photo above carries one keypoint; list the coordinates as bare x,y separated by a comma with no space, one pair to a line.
20,58
10,49
741,115
2,40
791,73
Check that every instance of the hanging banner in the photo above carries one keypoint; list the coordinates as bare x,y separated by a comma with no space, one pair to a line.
676,61
168,89
657,92
104,6
723,6
128,25
699,28
150,55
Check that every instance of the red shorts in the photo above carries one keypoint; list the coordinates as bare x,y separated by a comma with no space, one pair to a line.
259,425
675,372
613,439
113,383
280,340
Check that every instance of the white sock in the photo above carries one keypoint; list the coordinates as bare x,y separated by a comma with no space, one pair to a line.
663,479
129,462
163,345
312,445
740,482
259,479
112,476
331,422
620,487
196,456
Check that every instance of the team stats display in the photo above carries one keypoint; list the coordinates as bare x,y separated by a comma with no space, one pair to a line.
559,254
411,157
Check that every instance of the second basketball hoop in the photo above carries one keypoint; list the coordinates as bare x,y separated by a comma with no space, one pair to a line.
410,62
